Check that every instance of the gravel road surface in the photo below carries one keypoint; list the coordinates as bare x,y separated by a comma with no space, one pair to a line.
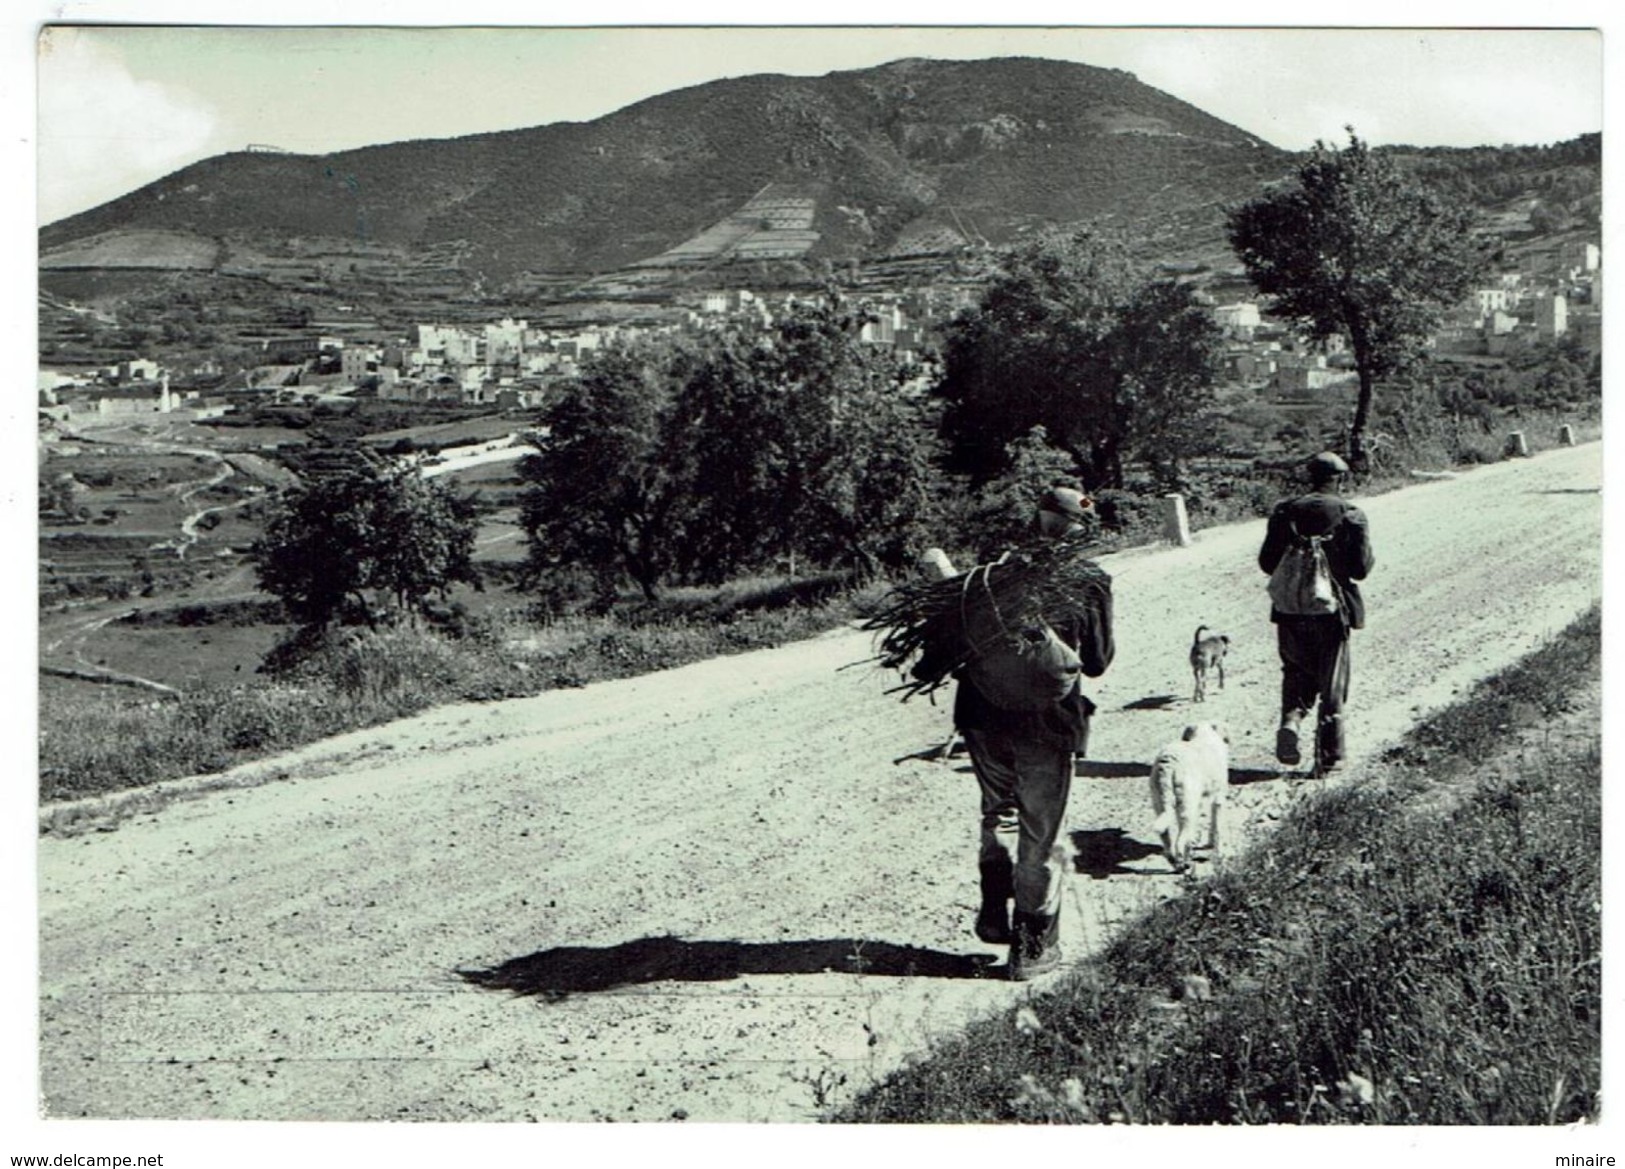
708,893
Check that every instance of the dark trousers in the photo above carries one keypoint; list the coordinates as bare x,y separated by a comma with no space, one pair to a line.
1315,674
1025,783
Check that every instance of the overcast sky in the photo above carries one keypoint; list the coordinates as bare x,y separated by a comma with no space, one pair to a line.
120,107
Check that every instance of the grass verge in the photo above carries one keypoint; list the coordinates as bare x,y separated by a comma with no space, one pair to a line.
1419,947
97,742
102,741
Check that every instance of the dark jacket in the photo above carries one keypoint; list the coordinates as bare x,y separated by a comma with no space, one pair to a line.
1064,724
1348,552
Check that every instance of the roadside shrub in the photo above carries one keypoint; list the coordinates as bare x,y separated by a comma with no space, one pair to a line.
1232,498
1129,516
385,665
286,656
249,718
453,619
726,602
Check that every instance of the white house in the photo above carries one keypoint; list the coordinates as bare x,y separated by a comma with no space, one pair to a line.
1237,320
883,329
505,340
357,364
1583,257
1551,315
449,344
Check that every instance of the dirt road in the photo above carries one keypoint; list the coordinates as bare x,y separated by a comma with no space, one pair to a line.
707,893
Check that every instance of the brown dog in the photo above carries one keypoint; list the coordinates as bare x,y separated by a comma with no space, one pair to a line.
1207,655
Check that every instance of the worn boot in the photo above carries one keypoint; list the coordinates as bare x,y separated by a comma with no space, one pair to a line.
998,886
1329,746
1036,947
1286,739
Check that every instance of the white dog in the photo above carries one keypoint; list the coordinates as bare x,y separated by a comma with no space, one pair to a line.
1185,775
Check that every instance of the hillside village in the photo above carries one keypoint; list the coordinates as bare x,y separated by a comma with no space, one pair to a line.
506,364
1537,296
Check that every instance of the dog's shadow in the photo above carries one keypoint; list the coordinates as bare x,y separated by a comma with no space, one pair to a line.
1240,776
1109,769
1106,852
1152,702
565,970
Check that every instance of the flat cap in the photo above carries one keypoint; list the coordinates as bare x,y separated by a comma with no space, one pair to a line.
1325,465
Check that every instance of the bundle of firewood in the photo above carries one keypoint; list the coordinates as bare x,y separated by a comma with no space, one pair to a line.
961,616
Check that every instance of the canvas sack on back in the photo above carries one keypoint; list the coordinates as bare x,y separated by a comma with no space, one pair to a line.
1023,666
1302,585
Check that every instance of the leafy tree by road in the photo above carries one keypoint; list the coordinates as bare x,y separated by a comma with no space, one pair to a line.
348,544
425,540
831,453
1070,337
1000,512
798,446
1357,249
608,487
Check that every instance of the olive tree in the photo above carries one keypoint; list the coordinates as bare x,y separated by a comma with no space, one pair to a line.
1357,249
345,545
838,451
1070,336
798,445
608,487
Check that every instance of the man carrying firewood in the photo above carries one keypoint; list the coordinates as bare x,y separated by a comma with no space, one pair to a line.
1023,714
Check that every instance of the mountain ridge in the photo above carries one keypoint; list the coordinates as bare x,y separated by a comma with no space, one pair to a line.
1011,143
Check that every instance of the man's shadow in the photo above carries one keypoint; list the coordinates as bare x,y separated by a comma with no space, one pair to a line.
566,970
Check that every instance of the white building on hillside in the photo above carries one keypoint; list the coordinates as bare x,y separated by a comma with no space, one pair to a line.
888,319
449,345
505,341
1551,315
1237,320
357,363
1582,257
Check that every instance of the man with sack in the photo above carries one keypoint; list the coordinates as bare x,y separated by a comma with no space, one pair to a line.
1022,749
1316,547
